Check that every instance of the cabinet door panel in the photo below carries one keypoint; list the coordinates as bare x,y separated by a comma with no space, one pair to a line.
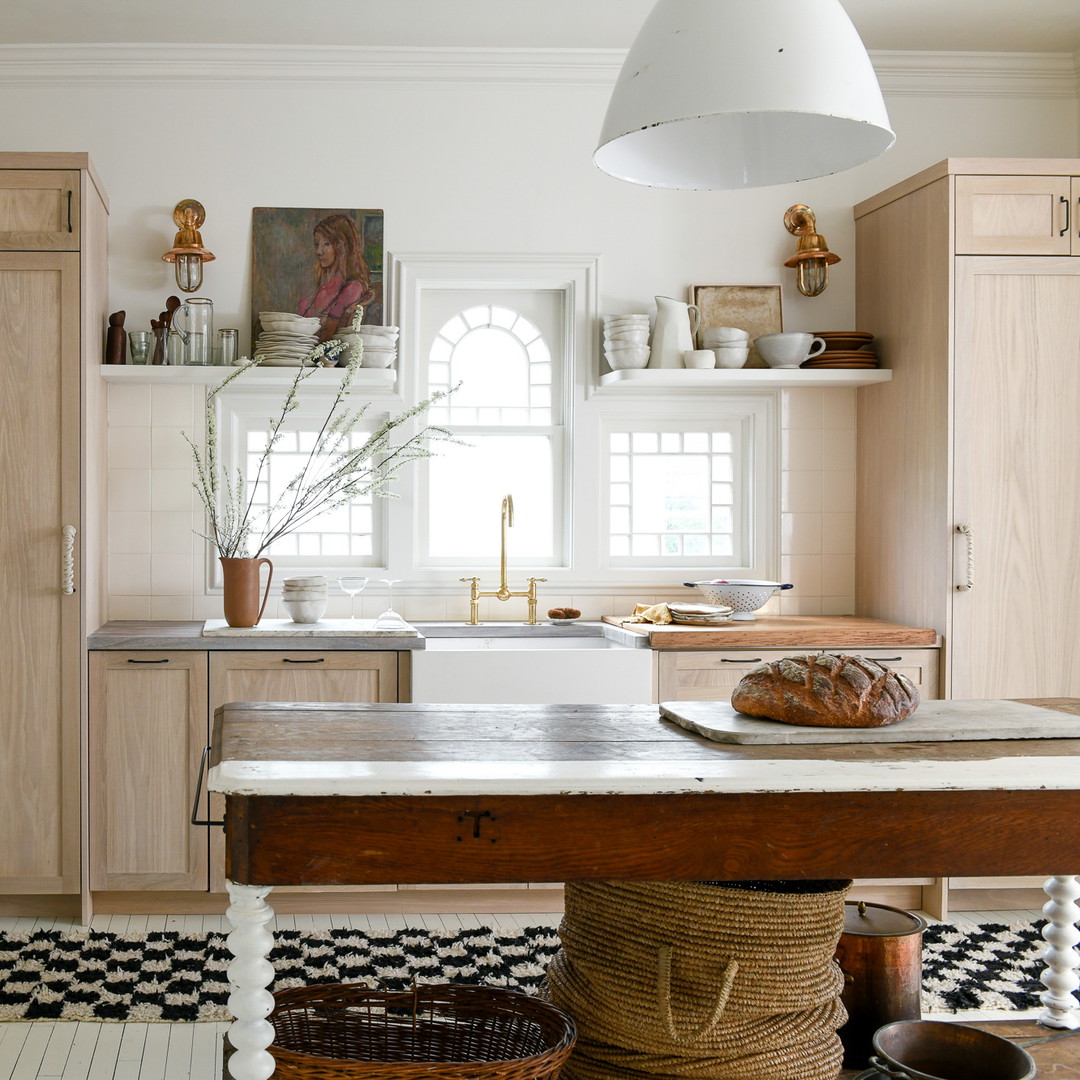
1013,215
292,676
1015,447
39,210
148,729
39,646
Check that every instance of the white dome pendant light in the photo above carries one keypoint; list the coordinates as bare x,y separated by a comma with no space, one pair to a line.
723,94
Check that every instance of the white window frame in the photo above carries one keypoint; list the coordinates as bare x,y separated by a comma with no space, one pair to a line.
583,567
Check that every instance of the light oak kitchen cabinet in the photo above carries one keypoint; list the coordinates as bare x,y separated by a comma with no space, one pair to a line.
151,717
967,504
53,296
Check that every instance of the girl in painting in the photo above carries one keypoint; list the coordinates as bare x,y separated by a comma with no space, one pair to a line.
342,278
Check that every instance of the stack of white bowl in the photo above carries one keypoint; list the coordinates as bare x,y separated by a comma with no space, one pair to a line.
379,345
731,345
305,598
626,341
286,339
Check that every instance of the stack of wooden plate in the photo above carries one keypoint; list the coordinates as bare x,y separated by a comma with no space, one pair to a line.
844,349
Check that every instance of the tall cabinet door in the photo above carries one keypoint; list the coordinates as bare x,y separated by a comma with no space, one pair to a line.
1016,445
39,642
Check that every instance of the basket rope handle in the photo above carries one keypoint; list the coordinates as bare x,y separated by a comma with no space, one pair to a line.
727,980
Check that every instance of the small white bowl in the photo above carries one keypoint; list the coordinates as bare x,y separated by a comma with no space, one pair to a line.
627,358
731,356
714,335
373,329
304,582
306,611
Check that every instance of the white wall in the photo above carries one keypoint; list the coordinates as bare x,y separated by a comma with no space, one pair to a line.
487,163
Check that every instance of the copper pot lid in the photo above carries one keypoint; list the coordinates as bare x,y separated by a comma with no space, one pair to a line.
879,920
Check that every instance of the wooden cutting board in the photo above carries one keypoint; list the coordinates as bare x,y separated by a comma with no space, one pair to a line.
932,721
846,632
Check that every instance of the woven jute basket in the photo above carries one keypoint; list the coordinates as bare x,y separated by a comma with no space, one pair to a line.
701,979
436,1031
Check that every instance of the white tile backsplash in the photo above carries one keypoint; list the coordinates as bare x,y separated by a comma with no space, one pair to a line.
154,510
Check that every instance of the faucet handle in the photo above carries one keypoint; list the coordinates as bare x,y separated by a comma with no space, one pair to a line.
468,579
530,579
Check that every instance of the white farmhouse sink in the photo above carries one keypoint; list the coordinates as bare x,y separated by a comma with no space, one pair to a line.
531,671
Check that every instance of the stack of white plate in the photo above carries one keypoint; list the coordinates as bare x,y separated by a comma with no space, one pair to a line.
286,339
626,341
700,614
379,342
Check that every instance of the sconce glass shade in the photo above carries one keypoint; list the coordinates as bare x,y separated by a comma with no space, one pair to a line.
812,257
724,94
187,251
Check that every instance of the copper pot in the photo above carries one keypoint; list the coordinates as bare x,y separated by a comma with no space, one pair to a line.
880,954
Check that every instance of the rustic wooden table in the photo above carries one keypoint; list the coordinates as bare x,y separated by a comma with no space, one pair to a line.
321,794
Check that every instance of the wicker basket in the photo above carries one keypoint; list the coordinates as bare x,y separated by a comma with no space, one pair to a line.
438,1032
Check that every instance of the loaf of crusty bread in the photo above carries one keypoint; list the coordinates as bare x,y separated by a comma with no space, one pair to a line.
825,690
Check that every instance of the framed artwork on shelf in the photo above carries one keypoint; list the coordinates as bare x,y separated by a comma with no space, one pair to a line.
317,263
753,308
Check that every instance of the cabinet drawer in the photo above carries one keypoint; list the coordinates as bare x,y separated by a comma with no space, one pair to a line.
302,676
709,675
39,210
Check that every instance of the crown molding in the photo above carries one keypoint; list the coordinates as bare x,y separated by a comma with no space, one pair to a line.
985,74
982,74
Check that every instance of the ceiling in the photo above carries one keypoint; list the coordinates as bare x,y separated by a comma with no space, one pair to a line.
920,25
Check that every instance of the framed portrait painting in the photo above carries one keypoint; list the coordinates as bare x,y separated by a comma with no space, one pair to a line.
753,308
318,263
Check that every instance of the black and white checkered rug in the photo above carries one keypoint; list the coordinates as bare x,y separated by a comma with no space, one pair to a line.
167,976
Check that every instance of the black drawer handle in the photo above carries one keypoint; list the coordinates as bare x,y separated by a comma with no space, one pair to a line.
289,660
70,229
748,660
164,661
885,659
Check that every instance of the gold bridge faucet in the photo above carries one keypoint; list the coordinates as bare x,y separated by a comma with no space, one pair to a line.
503,591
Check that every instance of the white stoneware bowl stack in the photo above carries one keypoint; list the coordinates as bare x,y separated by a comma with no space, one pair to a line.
379,345
730,344
626,341
305,598
286,339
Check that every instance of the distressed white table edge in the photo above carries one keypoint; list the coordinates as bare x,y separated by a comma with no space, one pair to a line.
250,972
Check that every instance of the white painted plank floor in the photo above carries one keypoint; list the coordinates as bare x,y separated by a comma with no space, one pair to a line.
87,1051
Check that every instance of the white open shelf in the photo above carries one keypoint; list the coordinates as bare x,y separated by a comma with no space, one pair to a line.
741,378
371,379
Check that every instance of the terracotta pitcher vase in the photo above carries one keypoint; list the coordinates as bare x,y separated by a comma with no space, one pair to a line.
241,601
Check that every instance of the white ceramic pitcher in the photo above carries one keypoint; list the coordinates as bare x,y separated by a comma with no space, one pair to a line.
673,334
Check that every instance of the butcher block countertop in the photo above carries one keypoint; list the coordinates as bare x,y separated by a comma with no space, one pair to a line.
784,632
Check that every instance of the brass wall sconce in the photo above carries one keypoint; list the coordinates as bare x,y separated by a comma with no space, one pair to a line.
812,256
187,251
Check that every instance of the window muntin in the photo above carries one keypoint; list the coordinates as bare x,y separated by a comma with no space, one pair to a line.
506,409
679,493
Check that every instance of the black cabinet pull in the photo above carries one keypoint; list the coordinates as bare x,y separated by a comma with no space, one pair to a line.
70,229
885,659
748,660
195,819
289,660
1068,208
164,661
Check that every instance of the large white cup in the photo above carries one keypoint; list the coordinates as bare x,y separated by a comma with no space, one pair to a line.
788,350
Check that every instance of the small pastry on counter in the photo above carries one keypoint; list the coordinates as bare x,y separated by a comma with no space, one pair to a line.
825,690
564,613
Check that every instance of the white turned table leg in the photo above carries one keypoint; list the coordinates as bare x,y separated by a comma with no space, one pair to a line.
250,973
1062,975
